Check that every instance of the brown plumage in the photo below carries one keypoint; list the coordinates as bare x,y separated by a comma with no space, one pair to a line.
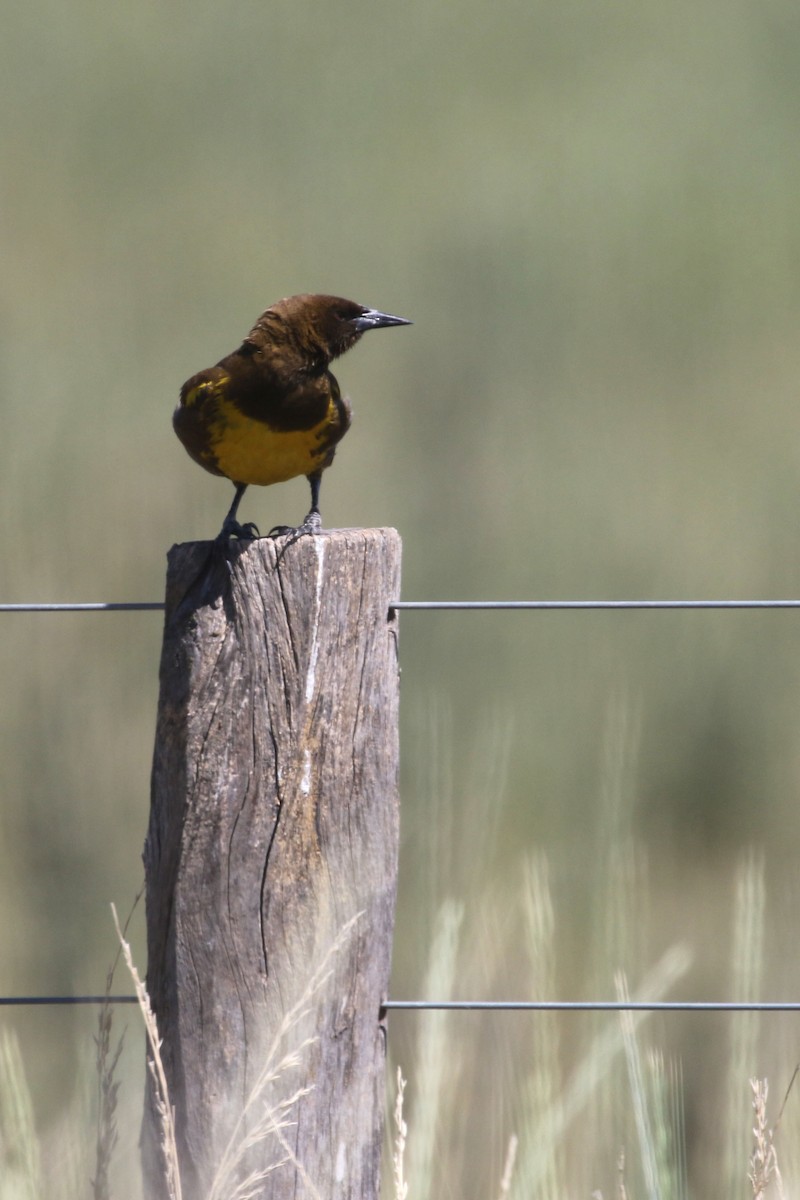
272,410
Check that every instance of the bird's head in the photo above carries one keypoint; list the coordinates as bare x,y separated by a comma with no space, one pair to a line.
323,327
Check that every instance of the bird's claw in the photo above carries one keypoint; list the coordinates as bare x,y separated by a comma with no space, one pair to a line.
312,524
243,533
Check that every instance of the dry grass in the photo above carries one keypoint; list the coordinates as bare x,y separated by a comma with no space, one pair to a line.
401,1132
747,970
400,1187
763,1159
273,1119
106,1061
641,1110
764,1169
436,1067
541,1161
260,1119
550,1117
508,1168
653,1100
155,1065
106,1064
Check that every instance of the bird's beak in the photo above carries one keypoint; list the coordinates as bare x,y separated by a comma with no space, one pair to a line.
372,319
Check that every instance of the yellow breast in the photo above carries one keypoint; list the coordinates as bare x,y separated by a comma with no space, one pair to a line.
249,451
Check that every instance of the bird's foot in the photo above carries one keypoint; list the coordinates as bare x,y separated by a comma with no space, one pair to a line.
243,533
312,524
221,555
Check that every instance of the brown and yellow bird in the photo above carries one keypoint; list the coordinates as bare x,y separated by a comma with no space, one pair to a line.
272,410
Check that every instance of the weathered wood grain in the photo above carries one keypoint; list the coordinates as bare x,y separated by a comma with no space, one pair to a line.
271,862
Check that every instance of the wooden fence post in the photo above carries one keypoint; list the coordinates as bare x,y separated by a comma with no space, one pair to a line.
271,865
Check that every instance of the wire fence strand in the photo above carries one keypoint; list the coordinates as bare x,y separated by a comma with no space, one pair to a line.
51,1001
584,605
451,605
720,1006
103,606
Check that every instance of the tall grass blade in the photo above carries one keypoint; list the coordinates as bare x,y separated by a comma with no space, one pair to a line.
435,1074
644,1130
747,955
540,1168
172,1176
20,1158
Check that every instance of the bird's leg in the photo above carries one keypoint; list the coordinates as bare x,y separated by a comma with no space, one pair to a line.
312,522
231,527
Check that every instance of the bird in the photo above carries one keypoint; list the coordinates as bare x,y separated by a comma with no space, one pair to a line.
272,410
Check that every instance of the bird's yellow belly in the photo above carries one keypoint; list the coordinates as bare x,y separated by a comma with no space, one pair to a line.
249,451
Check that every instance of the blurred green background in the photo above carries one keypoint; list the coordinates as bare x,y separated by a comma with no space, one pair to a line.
592,215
